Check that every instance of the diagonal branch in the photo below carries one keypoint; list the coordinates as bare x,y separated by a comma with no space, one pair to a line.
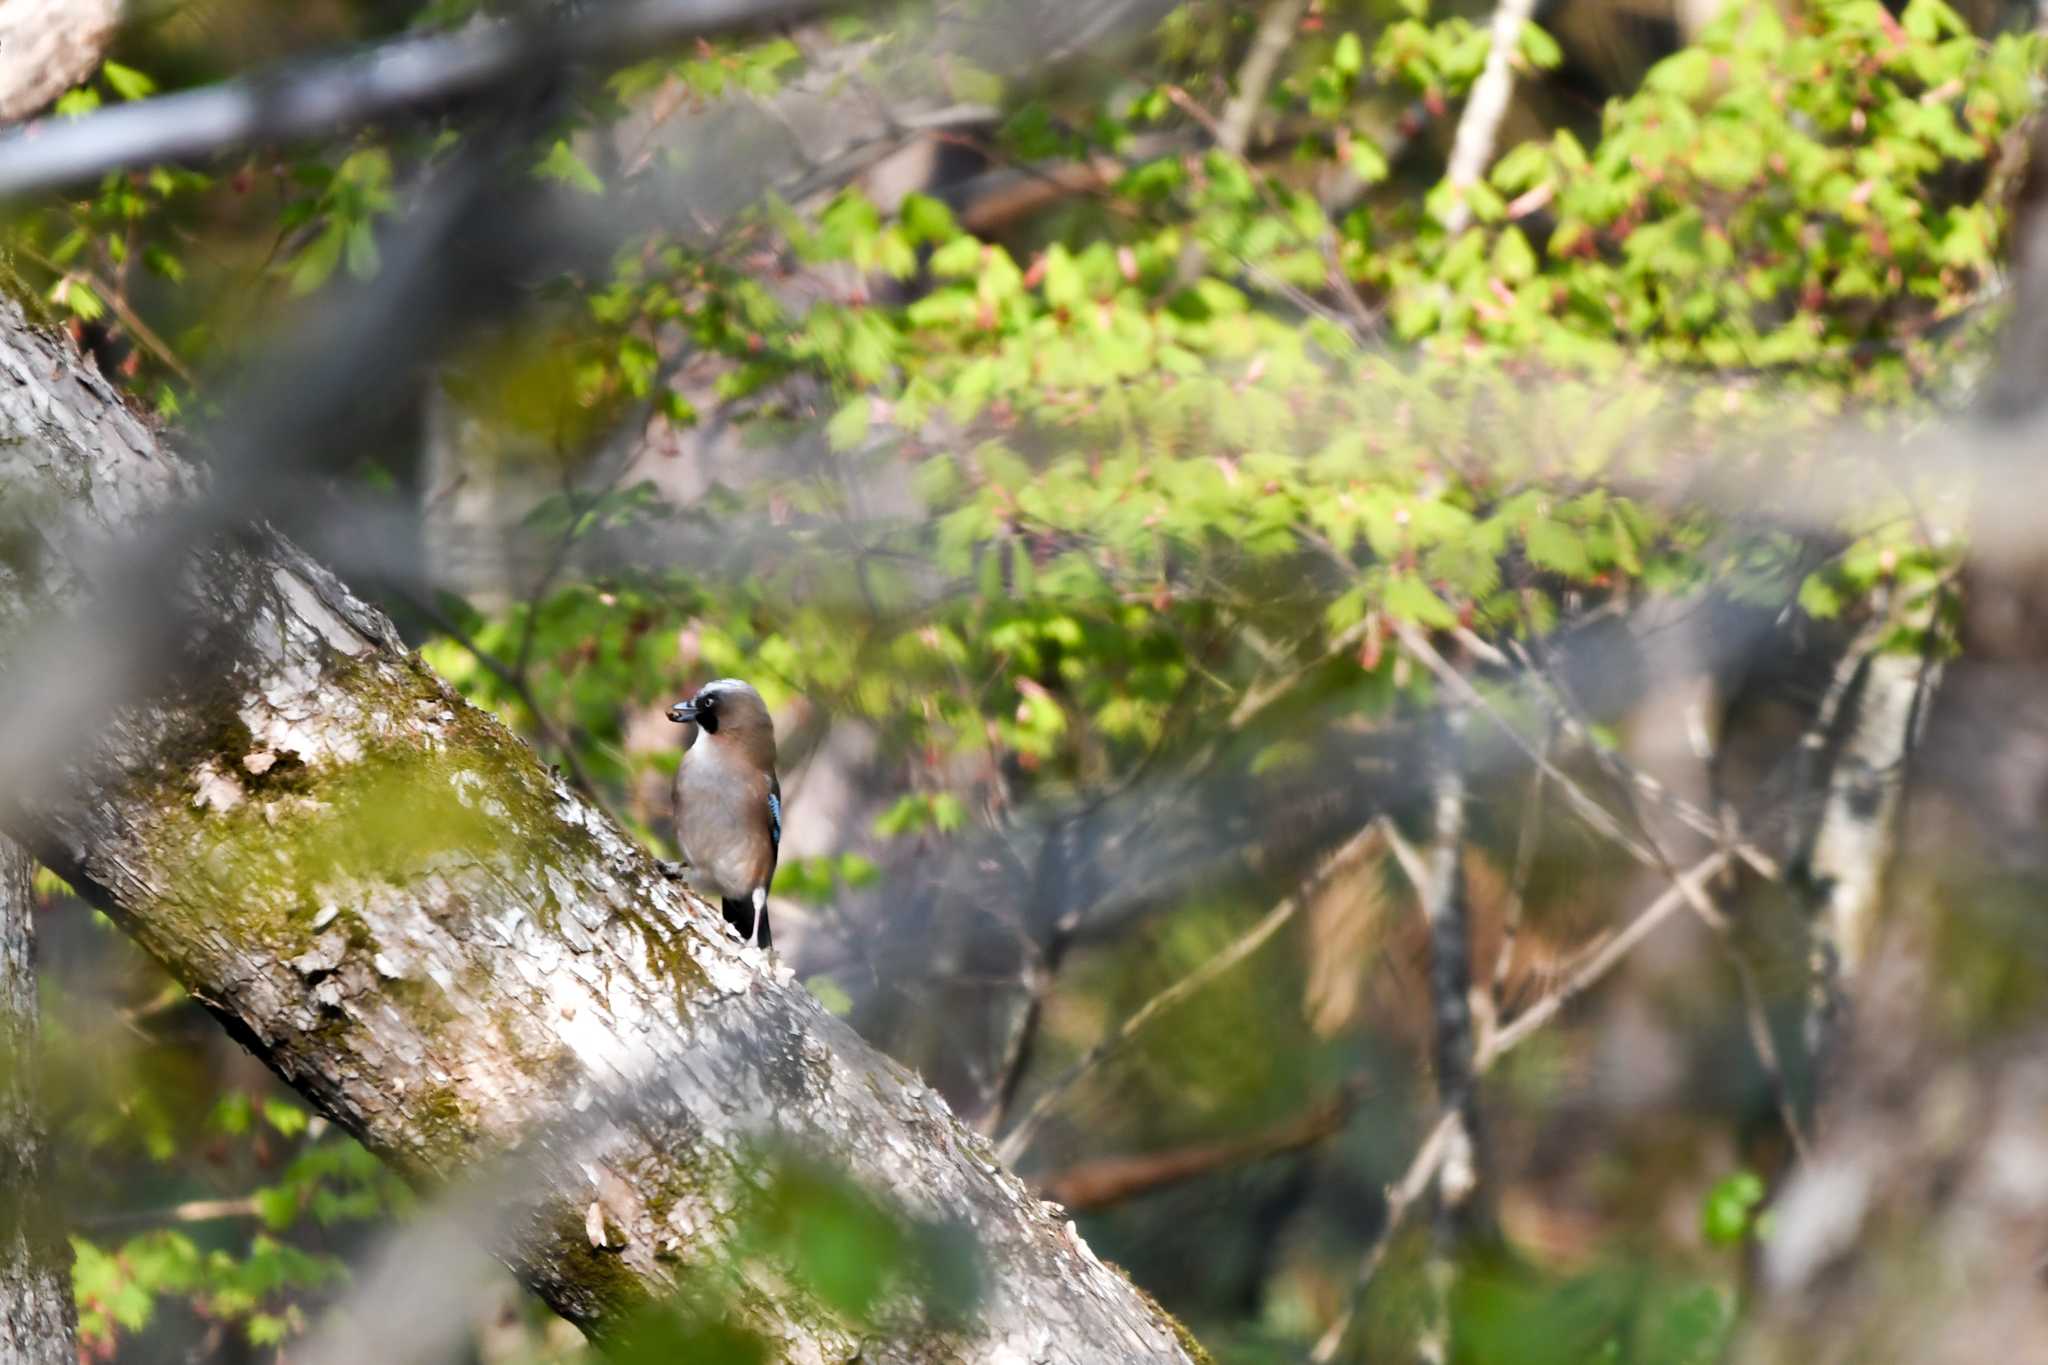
331,95
1101,1183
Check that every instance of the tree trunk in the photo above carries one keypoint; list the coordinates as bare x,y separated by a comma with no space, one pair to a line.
48,46
38,1320
382,893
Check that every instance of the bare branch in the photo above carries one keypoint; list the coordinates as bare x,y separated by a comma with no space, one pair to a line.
1107,1181
1872,716
1680,894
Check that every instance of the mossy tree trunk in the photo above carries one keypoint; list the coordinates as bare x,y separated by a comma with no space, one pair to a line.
38,1321
388,898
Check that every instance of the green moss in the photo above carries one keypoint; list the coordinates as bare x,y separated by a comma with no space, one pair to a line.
605,1290
1196,1351
31,300
442,1129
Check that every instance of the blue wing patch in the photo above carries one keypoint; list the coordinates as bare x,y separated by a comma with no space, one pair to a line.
775,818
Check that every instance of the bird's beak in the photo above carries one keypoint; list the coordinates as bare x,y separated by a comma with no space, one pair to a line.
683,712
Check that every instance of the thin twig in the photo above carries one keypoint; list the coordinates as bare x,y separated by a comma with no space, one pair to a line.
117,300
1592,812
191,1211
1401,1197
1518,885
1632,783
1106,1181
1461,1178
1756,1020
1018,1139
1676,897
1630,778
1056,862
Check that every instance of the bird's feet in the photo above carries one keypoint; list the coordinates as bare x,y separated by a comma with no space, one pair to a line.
673,871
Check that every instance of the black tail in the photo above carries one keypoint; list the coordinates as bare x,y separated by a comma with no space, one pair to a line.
740,915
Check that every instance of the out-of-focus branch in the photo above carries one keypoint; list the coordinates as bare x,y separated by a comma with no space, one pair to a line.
1479,125
1462,1179
1463,693
48,46
1057,865
1526,843
327,96
1099,1184
1631,779
1018,1139
1255,77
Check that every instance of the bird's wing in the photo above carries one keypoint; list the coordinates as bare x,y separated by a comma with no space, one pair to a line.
775,811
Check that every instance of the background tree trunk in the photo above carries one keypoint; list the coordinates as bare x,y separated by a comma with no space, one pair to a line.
388,899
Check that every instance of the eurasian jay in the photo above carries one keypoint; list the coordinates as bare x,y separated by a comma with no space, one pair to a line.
728,801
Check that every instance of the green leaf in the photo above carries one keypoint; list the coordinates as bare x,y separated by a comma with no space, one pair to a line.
1539,49
849,426
925,219
1554,546
288,1119
1410,599
1349,55
362,249
128,83
958,258
563,165
316,263
1819,598
1727,1212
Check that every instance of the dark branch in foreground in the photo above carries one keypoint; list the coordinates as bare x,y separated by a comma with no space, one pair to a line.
328,96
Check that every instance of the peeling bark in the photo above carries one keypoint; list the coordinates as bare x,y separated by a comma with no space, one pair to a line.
38,1320
383,894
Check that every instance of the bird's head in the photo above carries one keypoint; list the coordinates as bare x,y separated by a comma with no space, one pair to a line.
734,712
